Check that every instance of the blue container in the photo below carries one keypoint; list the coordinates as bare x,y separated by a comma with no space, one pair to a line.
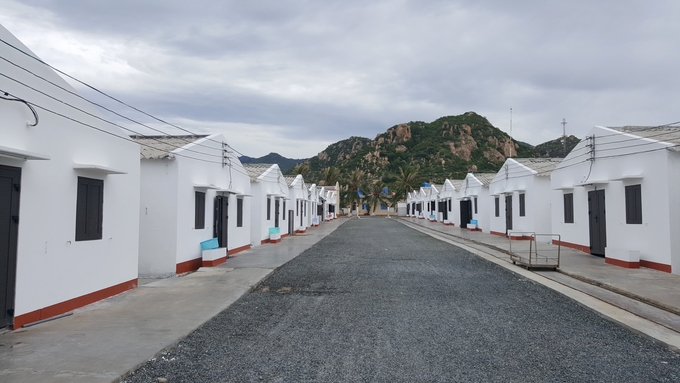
274,230
473,221
210,244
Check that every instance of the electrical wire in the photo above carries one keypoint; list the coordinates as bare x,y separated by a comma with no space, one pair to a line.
35,114
105,94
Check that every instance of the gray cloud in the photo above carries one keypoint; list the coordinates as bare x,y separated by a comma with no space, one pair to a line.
329,70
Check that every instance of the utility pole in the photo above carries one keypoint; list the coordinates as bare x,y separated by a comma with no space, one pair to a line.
510,122
564,137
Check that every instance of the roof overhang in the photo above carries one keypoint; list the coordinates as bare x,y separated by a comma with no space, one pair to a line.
21,154
97,168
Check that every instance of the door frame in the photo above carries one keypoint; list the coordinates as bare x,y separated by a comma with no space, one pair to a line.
597,222
221,220
465,210
508,214
8,268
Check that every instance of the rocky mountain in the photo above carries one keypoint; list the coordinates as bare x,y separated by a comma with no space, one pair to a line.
555,148
284,163
448,147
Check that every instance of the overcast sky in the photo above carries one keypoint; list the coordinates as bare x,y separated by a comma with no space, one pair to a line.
294,76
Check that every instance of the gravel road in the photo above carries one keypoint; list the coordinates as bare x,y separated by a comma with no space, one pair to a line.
376,301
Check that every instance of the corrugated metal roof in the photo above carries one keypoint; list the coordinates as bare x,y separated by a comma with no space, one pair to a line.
159,147
669,134
289,179
256,170
457,183
484,178
543,166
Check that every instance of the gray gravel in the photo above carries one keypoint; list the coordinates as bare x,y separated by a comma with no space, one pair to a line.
377,301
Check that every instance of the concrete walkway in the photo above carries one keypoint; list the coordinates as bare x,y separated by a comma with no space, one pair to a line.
106,340
651,294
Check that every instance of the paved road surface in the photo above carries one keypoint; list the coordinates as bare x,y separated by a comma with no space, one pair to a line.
377,301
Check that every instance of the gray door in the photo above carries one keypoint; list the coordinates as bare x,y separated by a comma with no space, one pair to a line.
10,185
598,222
276,212
508,214
221,219
291,222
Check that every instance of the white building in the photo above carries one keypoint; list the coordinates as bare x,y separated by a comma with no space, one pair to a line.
299,197
191,191
69,196
521,197
269,203
315,215
636,169
474,201
448,211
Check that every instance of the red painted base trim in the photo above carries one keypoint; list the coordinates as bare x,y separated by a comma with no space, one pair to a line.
275,241
656,266
519,237
72,304
498,233
284,235
237,250
262,242
585,249
475,229
187,266
214,262
620,263
300,231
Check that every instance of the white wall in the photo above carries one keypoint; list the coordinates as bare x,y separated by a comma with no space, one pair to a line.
476,189
157,222
653,238
271,183
51,266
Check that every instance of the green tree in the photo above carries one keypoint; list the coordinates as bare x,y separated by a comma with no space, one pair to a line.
407,180
330,176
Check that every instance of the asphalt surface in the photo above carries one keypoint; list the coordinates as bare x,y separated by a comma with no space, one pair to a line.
377,301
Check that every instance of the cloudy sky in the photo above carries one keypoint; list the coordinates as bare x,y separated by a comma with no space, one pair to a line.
294,76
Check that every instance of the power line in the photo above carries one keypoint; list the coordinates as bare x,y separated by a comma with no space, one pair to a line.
105,94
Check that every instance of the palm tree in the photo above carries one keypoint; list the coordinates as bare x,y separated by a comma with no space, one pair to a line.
355,182
377,196
407,180
303,169
330,175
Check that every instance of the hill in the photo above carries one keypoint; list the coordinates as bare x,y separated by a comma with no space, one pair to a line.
448,147
555,148
284,163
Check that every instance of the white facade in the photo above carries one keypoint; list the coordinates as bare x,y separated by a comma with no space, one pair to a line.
607,162
174,170
299,197
269,188
475,192
526,179
55,273
448,196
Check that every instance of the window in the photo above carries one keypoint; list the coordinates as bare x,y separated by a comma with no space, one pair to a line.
297,207
239,212
522,206
284,210
449,205
475,205
383,207
199,210
269,208
364,206
497,206
569,208
634,204
89,209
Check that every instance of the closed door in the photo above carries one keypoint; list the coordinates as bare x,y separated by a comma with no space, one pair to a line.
221,219
598,222
465,213
508,214
10,186
276,213
291,222
444,210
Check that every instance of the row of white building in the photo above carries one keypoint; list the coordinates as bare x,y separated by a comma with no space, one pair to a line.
613,195
86,209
